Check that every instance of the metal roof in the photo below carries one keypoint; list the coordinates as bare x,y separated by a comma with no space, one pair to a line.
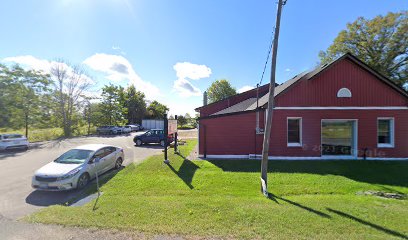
239,107
251,104
263,100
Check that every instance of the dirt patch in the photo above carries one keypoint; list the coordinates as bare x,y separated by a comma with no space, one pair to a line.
399,196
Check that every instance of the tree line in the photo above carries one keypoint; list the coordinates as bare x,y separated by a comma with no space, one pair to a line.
59,99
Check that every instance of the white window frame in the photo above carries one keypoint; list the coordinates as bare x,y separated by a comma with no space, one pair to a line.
392,133
344,93
354,149
299,144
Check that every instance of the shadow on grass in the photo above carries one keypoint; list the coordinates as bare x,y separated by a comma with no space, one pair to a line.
186,171
375,226
274,198
376,172
67,198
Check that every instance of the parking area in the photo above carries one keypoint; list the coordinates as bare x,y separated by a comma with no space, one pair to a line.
18,199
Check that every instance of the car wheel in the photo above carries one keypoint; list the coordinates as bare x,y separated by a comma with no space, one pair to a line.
118,163
83,181
139,142
162,143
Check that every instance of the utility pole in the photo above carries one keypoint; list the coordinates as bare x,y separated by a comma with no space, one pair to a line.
269,113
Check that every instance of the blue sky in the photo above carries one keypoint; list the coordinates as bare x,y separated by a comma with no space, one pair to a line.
173,50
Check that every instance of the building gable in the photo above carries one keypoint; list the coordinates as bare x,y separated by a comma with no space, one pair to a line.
345,83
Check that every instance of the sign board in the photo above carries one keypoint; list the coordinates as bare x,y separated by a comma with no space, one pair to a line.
172,127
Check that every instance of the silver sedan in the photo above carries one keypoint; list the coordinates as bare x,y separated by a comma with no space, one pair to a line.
75,168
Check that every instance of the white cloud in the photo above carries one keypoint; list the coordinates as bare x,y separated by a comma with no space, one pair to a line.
191,70
185,71
245,88
31,62
288,70
117,68
118,49
185,88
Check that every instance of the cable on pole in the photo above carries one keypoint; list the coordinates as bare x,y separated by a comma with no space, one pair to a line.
267,57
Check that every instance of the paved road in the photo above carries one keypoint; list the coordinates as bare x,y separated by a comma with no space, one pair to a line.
18,199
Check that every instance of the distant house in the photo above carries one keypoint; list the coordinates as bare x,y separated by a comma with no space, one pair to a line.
341,110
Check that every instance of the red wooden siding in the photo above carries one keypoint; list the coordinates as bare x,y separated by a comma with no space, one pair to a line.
366,89
235,135
228,135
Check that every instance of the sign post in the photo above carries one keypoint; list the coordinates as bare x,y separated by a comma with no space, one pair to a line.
175,137
97,181
166,133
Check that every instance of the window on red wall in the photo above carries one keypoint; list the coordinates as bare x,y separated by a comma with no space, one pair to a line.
385,132
294,132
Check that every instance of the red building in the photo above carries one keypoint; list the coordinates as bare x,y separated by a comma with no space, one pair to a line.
341,110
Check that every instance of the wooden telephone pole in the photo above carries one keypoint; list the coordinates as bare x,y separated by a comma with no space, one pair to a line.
269,113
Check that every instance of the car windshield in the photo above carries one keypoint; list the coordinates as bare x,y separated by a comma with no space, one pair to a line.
12,136
74,156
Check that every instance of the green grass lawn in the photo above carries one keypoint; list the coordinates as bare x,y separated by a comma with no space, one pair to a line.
309,200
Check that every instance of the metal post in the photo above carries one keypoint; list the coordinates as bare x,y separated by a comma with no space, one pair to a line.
166,133
267,133
97,181
175,137
257,95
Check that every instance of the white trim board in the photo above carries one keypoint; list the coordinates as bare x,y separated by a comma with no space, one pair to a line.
342,108
258,157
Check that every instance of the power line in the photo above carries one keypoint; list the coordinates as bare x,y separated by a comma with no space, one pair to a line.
267,57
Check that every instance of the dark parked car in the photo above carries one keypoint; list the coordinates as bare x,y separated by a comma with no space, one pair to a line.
153,136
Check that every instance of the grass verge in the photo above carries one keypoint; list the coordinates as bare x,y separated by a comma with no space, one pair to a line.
45,134
315,200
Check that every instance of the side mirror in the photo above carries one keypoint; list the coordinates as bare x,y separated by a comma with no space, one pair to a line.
94,160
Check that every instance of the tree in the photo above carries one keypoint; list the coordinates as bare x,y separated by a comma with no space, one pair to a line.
112,106
70,83
22,95
135,104
181,120
188,119
156,110
381,42
219,90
